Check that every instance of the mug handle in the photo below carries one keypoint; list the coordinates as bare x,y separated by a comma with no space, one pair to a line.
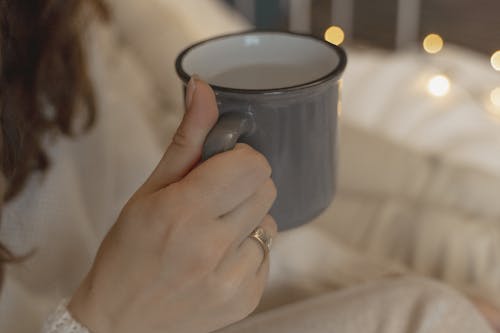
230,127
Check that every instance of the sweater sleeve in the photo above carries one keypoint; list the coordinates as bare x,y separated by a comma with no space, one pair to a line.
61,321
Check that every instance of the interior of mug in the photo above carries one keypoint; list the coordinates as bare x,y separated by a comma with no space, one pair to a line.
261,60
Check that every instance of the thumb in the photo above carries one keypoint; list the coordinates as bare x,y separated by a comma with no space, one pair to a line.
185,150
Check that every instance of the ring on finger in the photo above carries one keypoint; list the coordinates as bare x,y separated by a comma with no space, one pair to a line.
260,236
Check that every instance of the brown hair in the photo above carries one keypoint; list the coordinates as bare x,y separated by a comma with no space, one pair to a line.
43,84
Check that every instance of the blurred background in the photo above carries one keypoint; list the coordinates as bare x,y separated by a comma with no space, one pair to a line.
387,24
441,35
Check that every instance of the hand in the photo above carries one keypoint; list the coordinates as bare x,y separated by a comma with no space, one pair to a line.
179,259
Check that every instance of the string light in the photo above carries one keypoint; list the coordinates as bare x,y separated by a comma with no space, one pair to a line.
492,104
433,43
495,60
495,112
438,85
335,35
495,97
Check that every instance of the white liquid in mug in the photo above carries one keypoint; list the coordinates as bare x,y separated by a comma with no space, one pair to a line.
261,76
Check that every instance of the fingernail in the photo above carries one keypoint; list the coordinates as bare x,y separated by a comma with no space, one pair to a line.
191,89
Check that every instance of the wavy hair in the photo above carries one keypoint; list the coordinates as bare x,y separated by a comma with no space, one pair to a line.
44,84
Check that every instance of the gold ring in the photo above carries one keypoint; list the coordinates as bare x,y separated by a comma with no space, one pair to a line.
265,241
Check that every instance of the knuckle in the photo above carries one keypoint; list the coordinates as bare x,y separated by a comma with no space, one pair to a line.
243,153
262,164
242,147
271,189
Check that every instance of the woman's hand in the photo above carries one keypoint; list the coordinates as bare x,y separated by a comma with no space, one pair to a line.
179,258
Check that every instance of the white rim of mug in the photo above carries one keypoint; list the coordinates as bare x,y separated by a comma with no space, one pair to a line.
334,74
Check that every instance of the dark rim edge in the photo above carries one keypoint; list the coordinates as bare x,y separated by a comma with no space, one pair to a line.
334,74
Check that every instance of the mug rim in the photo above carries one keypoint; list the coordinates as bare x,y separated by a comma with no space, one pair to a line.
333,74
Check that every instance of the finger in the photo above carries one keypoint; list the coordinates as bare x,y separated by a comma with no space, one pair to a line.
249,280
253,286
248,215
185,150
250,247
250,251
223,182
259,281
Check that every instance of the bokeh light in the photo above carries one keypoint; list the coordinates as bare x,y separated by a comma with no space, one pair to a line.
433,43
335,35
438,85
495,97
495,60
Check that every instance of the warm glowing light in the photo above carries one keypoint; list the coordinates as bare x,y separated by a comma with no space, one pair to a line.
334,35
494,112
495,60
495,97
433,43
493,104
438,85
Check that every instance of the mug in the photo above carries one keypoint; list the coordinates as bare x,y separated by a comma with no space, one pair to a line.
279,93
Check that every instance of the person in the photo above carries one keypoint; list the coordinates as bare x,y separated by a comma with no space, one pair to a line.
174,250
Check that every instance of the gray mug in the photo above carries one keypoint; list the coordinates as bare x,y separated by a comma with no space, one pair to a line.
279,93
